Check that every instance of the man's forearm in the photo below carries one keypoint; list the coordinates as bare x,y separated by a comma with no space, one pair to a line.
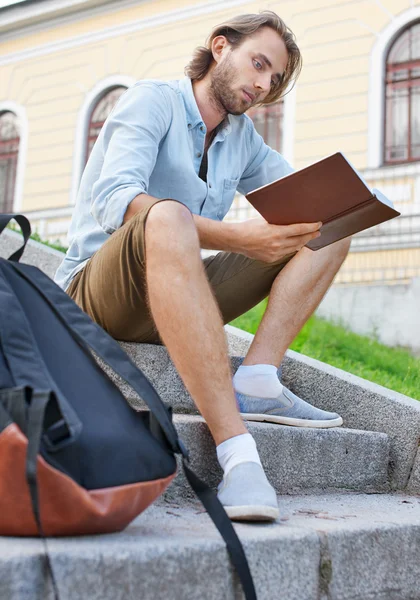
217,235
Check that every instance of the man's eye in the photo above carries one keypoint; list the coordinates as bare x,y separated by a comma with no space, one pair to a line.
257,64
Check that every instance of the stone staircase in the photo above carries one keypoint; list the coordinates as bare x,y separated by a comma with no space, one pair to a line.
349,499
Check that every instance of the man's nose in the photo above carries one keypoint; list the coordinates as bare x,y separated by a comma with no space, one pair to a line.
263,83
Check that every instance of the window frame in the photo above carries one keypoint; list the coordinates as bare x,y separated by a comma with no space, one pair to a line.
11,157
267,110
89,137
407,84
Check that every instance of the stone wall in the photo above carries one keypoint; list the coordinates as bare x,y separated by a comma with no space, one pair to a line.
389,312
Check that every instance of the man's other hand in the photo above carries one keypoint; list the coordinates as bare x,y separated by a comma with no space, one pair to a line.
259,240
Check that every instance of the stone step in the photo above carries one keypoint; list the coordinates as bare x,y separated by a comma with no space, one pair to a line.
295,459
362,404
328,547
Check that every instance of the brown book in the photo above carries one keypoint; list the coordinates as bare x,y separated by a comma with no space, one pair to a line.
330,191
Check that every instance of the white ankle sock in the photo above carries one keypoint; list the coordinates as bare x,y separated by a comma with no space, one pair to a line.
257,380
236,450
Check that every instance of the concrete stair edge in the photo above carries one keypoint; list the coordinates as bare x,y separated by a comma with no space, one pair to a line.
362,404
296,460
39,255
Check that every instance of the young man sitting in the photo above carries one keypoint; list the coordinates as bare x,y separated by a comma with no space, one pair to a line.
161,177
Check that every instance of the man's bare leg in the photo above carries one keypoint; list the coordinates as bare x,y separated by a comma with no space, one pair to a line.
187,316
296,292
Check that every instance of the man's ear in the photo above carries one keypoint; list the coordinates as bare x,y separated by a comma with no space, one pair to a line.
219,46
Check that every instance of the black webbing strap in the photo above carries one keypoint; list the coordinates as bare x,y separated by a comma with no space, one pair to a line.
26,231
5,418
36,412
219,517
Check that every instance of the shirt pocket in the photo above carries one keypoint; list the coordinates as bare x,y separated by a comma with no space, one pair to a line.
228,194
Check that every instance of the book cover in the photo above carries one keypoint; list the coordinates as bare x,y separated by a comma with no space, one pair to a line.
331,191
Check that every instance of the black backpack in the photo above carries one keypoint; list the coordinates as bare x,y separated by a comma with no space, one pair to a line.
69,441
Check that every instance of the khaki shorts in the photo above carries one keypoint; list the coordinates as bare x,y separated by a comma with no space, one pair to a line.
111,287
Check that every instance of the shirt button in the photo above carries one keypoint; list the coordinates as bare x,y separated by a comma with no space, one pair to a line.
201,128
189,125
209,185
198,154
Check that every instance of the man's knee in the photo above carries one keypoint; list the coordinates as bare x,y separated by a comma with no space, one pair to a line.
342,247
169,220
334,252
169,209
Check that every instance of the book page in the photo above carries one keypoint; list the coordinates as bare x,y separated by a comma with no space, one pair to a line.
358,174
380,196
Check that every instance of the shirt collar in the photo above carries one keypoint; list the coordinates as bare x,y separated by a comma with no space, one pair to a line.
194,117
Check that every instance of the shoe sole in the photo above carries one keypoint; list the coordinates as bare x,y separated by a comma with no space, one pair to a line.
252,513
290,421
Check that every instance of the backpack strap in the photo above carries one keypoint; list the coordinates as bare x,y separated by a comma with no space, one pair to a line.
91,336
26,231
224,525
36,414
26,364
5,418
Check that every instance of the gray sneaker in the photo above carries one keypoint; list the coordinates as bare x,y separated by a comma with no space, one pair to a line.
286,409
247,495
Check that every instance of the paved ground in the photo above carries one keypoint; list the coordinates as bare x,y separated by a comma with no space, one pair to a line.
327,547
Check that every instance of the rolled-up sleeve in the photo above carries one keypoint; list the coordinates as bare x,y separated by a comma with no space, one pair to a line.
129,141
264,166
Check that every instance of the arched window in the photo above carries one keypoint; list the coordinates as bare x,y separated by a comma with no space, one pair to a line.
402,105
100,113
9,150
268,121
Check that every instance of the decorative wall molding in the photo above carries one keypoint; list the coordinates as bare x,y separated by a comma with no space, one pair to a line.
377,83
27,17
132,26
393,171
83,119
20,112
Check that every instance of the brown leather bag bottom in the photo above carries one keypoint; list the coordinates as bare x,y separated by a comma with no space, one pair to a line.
65,507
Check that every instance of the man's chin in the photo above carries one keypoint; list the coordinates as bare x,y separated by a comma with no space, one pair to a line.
238,110
234,107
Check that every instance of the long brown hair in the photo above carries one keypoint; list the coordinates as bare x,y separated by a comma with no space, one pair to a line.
236,30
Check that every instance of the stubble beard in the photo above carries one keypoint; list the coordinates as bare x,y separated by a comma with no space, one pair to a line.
221,90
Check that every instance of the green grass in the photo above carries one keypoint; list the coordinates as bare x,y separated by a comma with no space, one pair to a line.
56,245
35,236
393,368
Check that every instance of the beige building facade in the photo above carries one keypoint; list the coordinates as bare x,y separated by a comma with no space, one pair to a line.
59,58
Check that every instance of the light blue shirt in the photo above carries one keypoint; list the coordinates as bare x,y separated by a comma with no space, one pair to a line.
153,143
